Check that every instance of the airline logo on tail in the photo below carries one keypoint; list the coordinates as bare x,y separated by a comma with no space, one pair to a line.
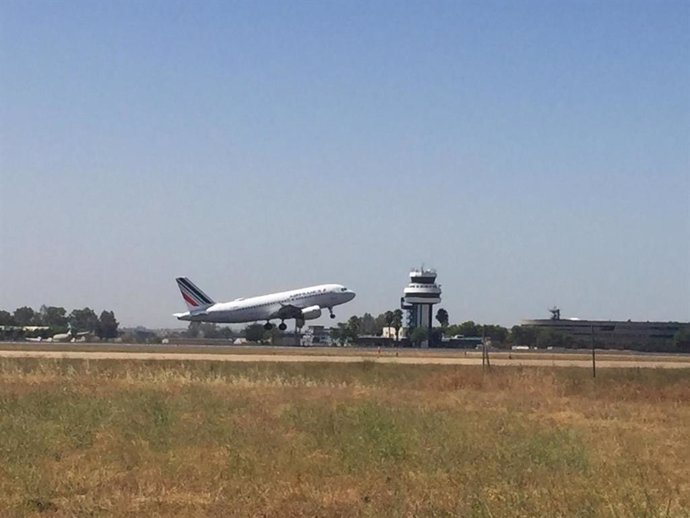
192,295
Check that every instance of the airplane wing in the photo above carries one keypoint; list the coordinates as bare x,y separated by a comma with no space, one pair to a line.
287,311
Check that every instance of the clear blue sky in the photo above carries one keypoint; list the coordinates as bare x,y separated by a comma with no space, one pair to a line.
534,152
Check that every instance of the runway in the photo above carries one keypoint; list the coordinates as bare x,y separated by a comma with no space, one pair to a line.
386,358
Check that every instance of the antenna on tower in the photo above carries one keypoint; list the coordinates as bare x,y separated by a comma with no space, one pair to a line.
555,313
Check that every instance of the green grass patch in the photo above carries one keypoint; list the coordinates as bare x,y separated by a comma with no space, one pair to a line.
169,438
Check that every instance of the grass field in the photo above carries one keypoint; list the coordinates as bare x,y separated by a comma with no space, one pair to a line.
122,438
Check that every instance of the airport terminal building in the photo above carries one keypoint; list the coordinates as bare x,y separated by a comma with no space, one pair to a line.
615,334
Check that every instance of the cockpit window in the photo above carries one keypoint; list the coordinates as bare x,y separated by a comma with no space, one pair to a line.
343,289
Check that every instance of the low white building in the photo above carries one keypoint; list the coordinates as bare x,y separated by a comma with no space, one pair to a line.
389,332
316,336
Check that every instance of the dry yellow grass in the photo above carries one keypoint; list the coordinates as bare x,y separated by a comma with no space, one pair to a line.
363,352
210,439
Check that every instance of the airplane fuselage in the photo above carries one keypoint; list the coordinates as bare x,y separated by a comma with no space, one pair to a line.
303,303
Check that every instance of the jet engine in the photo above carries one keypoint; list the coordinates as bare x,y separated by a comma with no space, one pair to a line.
311,312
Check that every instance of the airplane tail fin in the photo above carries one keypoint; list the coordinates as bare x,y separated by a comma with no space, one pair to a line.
193,296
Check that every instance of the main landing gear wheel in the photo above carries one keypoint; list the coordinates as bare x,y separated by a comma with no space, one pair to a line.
268,326
282,326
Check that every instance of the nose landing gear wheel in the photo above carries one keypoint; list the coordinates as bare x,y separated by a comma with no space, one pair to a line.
282,326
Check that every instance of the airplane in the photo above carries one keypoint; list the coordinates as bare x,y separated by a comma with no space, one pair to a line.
70,336
301,304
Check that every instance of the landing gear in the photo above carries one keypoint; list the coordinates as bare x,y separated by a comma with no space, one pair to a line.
282,326
330,310
268,326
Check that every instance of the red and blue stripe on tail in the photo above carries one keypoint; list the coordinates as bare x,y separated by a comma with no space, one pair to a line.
192,295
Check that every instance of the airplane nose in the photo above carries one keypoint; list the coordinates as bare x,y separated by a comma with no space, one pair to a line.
350,295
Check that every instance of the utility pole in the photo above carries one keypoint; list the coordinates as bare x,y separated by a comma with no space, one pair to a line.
485,352
431,323
594,354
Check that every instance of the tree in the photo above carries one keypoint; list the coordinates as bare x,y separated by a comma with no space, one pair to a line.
53,316
379,324
523,335
368,324
25,316
442,317
347,332
469,328
388,316
547,337
209,330
226,332
682,339
193,330
354,323
397,322
354,327
83,320
107,325
337,335
495,332
6,318
436,339
341,334
254,332
419,334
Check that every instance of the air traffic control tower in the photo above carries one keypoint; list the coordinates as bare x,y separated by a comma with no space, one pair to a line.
419,298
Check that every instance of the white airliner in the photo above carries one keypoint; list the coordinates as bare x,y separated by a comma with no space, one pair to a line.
70,336
301,304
